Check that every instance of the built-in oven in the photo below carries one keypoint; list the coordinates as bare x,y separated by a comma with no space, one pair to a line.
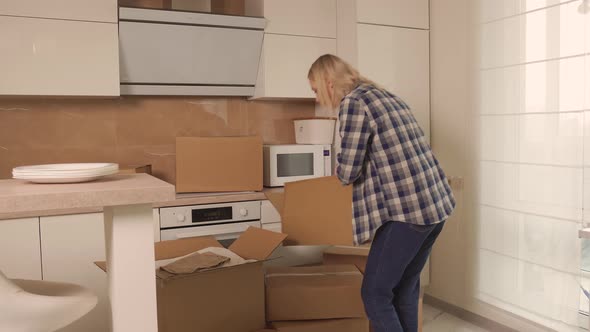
224,221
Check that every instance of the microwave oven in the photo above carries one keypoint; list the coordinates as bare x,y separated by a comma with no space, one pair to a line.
294,162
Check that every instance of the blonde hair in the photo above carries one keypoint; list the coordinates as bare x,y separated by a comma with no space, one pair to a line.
344,78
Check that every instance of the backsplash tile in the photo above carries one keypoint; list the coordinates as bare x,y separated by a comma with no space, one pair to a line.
132,130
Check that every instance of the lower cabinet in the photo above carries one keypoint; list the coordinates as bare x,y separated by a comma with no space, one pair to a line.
20,252
70,245
275,227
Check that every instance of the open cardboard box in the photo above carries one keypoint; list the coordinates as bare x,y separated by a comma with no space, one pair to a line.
225,299
315,212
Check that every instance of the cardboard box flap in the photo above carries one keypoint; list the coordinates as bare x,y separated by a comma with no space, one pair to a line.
257,243
318,212
277,199
181,247
165,275
323,325
101,265
176,248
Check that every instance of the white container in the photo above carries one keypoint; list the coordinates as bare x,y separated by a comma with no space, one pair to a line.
314,131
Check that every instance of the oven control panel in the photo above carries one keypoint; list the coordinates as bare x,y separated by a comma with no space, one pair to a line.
210,214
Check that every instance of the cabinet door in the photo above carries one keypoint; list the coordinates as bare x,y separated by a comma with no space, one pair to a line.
268,213
82,10
275,227
57,57
70,245
398,60
20,252
285,63
401,13
302,17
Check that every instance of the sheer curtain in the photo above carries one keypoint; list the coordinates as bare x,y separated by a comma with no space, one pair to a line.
534,92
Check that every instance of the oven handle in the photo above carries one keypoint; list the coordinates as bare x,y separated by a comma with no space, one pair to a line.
225,235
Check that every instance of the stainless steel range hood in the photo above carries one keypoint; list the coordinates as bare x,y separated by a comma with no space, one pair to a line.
165,52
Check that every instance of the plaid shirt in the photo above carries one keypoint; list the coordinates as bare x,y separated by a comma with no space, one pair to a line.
386,157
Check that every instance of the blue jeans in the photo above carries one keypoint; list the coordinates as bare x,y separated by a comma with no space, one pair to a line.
391,286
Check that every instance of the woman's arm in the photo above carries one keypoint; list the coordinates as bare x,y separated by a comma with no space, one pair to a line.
355,133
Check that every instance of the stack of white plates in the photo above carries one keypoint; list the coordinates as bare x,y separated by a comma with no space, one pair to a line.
64,173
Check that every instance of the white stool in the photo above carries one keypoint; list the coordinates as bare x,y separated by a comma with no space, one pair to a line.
41,306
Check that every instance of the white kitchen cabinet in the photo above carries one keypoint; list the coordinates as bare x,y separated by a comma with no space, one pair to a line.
20,253
81,10
58,57
401,13
398,60
270,217
284,64
70,245
310,18
274,227
268,213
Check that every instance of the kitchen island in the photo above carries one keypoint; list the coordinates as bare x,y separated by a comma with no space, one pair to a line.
127,203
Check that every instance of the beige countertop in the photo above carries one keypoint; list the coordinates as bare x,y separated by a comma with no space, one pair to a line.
20,199
60,209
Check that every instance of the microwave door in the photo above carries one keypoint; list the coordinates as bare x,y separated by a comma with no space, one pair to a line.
295,166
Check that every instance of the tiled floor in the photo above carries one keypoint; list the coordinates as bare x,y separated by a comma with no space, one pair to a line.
436,320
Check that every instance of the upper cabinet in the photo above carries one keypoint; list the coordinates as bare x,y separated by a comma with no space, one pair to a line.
405,71
296,34
58,57
59,48
311,18
400,13
285,62
81,10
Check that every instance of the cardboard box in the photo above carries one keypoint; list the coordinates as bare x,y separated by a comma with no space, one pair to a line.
137,169
315,212
315,292
218,164
330,325
156,4
226,299
338,255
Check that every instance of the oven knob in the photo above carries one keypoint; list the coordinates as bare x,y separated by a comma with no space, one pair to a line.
180,217
243,212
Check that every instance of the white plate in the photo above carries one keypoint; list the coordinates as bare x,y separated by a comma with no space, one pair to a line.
61,180
69,174
64,173
64,167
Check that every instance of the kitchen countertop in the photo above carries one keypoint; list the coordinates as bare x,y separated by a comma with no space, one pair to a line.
19,199
24,208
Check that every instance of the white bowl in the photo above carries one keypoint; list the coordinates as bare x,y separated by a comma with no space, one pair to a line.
314,131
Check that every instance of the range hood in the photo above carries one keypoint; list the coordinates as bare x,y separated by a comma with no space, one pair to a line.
164,52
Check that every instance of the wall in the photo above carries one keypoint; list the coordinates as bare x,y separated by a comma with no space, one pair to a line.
132,130
454,97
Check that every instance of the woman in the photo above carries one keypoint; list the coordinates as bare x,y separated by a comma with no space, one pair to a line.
401,196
